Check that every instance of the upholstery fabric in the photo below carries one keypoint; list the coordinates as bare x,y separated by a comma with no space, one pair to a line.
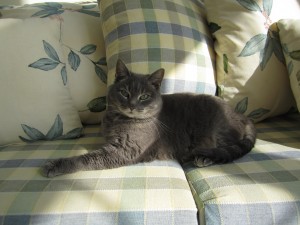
261,187
251,72
35,104
148,35
290,40
85,72
150,193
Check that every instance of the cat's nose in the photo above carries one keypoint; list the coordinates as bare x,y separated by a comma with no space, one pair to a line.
132,104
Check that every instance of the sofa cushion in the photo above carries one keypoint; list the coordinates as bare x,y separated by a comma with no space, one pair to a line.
155,193
260,188
148,35
289,33
83,48
251,72
34,102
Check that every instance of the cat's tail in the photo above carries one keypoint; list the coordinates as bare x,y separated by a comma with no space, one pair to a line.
225,154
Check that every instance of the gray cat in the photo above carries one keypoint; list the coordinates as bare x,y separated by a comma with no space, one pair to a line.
141,125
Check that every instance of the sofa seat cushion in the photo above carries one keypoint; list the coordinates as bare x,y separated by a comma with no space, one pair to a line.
260,188
151,193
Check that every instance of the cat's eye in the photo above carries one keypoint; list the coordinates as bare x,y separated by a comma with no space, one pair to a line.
144,97
124,93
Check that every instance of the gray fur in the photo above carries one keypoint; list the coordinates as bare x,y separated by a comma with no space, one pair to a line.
142,125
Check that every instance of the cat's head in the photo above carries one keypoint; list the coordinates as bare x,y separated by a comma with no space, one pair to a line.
135,95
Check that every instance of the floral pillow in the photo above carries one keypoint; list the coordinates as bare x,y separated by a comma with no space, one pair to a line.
34,105
251,72
289,33
84,72
153,34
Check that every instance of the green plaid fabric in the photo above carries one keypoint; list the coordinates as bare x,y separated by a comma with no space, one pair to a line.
152,193
261,188
169,34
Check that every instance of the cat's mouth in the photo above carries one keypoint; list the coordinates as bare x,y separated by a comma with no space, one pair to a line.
134,113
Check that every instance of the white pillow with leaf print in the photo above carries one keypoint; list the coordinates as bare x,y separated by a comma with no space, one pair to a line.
251,73
84,49
35,105
289,33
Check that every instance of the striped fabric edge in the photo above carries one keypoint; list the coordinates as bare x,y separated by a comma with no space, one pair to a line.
279,167
186,217
277,213
160,28
284,130
261,182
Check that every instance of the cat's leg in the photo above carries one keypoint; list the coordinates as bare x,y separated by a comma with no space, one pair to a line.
105,158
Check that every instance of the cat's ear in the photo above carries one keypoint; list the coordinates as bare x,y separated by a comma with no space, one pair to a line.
156,78
122,71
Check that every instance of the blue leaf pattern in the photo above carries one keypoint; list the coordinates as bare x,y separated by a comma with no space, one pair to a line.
254,45
250,5
63,74
32,133
56,130
54,61
54,133
242,106
50,51
264,44
74,60
44,64
267,5
54,8
88,49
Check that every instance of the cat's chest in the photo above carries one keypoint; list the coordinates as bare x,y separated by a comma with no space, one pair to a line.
132,130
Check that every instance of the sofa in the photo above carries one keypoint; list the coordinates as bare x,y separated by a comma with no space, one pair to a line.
56,62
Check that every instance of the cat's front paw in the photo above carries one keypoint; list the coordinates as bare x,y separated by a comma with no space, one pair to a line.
51,168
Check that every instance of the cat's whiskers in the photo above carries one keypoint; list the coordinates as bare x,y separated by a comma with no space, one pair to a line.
163,126
154,127
154,123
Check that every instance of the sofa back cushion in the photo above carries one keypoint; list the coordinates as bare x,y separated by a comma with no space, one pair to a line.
83,47
148,35
251,71
289,33
35,104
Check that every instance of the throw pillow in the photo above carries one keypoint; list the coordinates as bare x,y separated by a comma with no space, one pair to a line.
289,33
148,35
35,105
251,73
83,46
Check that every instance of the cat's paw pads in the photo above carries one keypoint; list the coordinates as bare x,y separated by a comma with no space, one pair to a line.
50,169
202,162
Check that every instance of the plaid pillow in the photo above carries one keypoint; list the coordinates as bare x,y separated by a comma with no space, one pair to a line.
148,35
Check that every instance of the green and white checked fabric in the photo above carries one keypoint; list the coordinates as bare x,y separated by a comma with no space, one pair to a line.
261,188
169,34
153,193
